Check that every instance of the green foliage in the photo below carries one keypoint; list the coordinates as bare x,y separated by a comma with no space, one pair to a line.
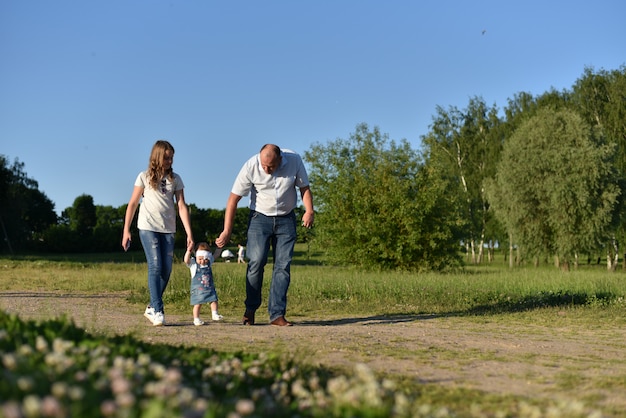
556,188
82,216
377,207
25,212
465,145
60,238
600,98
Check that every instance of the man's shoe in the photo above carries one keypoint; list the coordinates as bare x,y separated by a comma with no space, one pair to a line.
281,322
248,317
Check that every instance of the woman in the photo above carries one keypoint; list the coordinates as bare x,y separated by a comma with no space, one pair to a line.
162,190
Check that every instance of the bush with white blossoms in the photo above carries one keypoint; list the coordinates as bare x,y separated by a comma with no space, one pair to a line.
54,369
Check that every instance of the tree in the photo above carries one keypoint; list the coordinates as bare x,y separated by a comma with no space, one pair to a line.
556,188
520,108
82,215
108,230
83,227
378,207
466,145
600,97
25,212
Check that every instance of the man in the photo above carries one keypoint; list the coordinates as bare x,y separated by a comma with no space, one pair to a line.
241,252
271,178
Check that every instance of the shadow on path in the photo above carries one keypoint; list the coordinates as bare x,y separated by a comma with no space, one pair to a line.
368,320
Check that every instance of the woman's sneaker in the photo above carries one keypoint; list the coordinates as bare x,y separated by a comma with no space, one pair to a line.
198,321
159,319
149,313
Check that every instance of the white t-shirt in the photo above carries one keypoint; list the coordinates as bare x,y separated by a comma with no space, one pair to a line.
272,194
157,211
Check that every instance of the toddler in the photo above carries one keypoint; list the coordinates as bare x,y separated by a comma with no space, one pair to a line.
202,285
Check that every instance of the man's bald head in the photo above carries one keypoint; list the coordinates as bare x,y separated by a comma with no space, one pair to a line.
270,158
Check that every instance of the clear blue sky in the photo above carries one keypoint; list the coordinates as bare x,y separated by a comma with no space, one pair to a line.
86,87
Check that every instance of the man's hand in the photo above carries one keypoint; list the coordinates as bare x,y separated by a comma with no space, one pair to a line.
223,239
307,219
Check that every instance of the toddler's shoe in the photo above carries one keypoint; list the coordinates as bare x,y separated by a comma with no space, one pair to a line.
198,322
217,317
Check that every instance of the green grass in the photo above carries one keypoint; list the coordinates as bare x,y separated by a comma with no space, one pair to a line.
520,297
316,289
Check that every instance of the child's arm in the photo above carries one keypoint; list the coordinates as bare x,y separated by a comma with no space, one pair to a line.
187,257
217,253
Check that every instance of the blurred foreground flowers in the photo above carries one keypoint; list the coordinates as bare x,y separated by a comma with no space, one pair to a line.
54,369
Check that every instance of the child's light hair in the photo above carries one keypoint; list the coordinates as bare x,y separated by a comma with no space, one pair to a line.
203,246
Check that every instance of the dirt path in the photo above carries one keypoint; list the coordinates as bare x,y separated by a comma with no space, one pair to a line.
560,362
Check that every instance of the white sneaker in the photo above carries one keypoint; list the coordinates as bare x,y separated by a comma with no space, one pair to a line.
159,319
149,313
198,321
217,317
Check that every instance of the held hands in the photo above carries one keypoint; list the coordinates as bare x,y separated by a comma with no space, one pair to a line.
223,239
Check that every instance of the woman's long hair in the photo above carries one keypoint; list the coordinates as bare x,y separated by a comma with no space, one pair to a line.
156,170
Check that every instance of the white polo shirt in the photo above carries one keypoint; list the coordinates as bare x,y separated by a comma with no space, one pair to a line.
272,194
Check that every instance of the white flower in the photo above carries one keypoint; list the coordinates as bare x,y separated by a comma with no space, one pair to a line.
244,407
9,361
41,344
31,405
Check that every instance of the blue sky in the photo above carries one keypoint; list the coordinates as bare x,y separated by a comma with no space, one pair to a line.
86,87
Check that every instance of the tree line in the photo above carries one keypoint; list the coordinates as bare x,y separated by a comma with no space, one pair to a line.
542,178
29,223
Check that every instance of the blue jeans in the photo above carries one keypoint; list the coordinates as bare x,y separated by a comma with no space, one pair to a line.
159,249
280,233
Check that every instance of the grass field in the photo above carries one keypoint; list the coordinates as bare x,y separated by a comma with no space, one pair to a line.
517,297
475,290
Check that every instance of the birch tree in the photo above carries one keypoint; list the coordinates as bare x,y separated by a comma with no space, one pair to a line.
466,146
600,97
